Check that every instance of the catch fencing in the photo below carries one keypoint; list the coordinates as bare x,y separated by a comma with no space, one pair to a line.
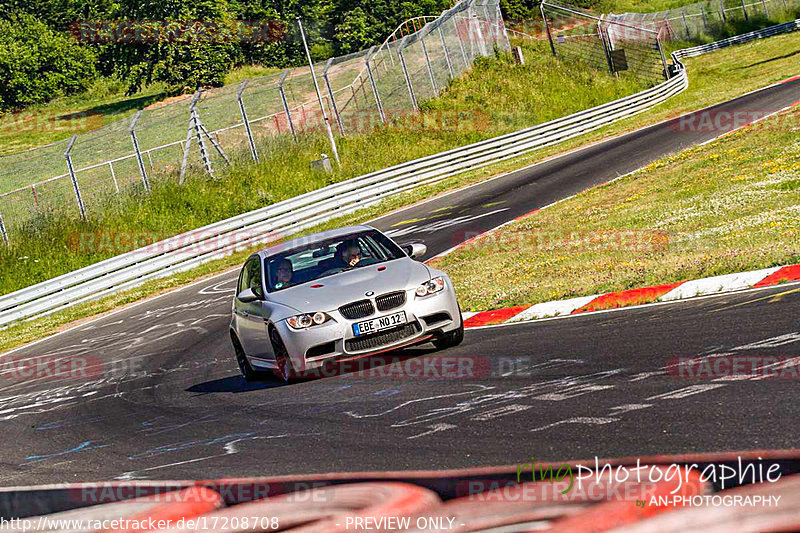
703,19
212,128
604,43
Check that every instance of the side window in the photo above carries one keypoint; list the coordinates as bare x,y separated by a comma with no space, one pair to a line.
244,279
254,276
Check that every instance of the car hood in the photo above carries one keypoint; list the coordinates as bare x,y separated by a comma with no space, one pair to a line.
350,286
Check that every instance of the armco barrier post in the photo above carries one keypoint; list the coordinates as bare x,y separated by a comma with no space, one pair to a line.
547,29
139,160
428,63
331,95
372,83
405,73
286,104
446,53
247,129
3,230
71,170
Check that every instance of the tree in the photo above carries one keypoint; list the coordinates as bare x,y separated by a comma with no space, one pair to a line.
38,64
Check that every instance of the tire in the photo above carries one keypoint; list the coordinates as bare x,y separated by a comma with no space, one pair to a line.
248,372
451,338
284,372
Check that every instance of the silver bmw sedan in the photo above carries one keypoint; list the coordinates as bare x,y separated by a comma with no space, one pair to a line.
335,296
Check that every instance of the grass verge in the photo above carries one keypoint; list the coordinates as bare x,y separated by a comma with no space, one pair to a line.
732,205
713,78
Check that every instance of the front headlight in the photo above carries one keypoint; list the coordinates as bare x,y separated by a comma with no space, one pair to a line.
430,287
307,320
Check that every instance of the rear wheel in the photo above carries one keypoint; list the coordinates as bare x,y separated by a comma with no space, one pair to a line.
283,371
451,338
247,370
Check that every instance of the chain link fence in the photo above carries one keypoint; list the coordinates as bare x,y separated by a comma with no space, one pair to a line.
215,128
603,42
702,20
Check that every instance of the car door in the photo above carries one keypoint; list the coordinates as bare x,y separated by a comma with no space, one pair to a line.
249,316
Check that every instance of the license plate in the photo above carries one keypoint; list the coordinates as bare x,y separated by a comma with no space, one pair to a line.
377,324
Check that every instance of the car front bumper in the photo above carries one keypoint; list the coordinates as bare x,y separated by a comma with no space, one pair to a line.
335,340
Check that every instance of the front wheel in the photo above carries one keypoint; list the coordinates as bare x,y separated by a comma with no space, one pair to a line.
451,338
284,371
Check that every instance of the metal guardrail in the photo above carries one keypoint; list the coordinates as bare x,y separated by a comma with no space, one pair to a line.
779,29
213,241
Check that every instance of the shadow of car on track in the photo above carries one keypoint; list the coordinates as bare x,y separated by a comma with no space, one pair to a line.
388,366
231,384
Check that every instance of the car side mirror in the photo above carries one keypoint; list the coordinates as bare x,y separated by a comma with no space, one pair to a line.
248,296
415,249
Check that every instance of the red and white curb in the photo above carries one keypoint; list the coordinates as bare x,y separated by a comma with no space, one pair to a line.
659,293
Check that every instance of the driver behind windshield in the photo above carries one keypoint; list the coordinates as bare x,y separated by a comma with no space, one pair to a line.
283,273
351,254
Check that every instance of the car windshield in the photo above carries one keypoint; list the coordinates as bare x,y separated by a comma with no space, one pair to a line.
325,258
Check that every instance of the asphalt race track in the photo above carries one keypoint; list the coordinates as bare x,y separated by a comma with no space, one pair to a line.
164,399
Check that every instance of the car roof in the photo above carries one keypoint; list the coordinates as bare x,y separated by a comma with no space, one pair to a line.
311,239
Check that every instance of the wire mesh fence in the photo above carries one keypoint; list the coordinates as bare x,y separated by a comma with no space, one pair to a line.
218,127
603,42
703,19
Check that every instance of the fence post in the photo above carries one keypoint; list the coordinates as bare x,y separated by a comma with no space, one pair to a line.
405,73
3,230
744,8
547,29
685,25
195,118
722,10
766,11
481,43
661,53
286,104
331,96
461,44
428,63
372,83
189,134
71,170
602,33
113,176
139,160
446,53
247,129
705,16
